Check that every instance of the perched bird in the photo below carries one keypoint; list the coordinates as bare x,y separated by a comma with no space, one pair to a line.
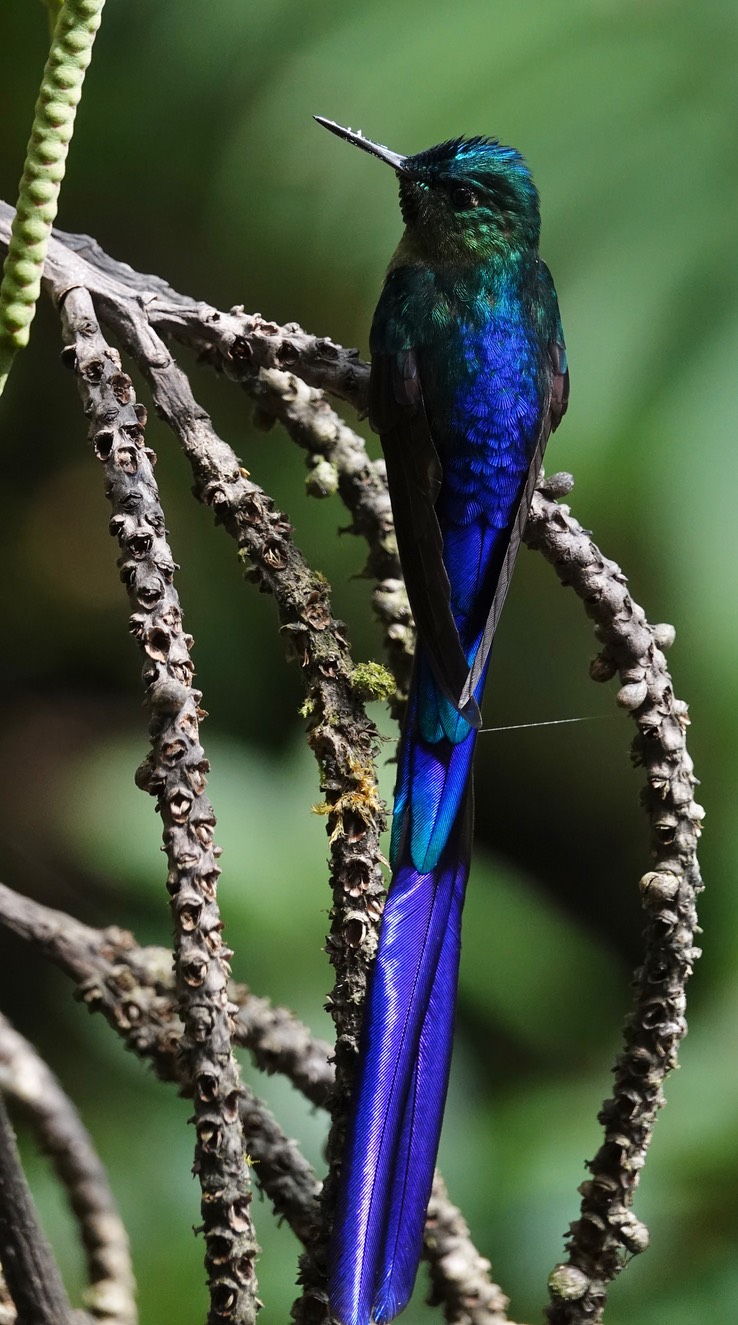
468,379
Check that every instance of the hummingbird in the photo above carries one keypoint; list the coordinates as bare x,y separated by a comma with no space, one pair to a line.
468,380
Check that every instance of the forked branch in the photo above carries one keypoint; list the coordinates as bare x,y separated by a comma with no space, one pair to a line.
26,1078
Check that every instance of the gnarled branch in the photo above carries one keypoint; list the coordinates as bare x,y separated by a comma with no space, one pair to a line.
174,772
110,1296
29,1268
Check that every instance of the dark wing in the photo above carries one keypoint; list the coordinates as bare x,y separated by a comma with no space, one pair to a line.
553,413
414,474
560,384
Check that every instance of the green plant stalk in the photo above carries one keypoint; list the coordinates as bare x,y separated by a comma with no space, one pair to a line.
53,125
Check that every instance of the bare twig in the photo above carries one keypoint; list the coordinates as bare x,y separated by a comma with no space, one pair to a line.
134,989
460,1277
281,1171
607,1233
341,736
236,342
29,1268
26,1077
174,772
338,461
279,1042
259,354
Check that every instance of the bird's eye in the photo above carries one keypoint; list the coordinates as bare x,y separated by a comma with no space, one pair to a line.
462,198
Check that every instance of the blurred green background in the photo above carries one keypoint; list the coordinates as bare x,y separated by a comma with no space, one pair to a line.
195,156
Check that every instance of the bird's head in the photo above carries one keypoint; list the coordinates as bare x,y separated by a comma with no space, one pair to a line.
463,201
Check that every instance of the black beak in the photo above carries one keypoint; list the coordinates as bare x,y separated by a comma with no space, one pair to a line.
391,158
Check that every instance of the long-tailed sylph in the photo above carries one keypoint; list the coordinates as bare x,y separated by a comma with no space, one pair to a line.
468,379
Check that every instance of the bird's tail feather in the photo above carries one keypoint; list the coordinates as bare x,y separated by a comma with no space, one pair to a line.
401,1088
421,1125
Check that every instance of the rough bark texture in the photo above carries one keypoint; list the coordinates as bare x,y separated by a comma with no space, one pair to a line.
133,987
29,1268
607,1234
174,772
460,1277
111,1291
